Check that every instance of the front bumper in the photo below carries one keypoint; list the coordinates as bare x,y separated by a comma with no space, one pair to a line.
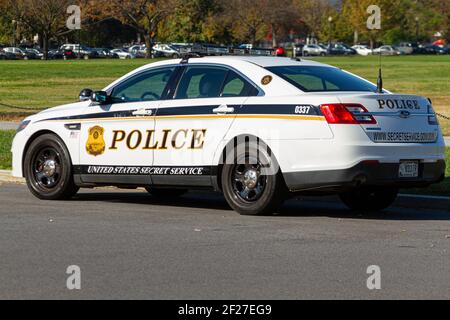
364,174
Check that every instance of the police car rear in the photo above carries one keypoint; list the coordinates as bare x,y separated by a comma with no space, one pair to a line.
381,141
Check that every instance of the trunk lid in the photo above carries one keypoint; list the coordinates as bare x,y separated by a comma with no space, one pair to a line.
400,118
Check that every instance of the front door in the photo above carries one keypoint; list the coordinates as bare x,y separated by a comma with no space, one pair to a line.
116,140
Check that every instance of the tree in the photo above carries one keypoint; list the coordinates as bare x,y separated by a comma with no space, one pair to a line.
313,12
143,15
247,20
280,15
45,18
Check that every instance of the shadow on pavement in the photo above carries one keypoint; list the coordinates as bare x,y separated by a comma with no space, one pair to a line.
303,207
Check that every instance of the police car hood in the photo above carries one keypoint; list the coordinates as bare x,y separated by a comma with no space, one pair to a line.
71,109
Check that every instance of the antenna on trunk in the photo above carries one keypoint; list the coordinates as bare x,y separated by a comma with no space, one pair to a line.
380,77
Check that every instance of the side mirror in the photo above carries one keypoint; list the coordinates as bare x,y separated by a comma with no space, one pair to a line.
86,94
100,97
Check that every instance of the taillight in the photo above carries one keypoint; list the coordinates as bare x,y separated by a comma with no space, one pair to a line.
347,114
432,119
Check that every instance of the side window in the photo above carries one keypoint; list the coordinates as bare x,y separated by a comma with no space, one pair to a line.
201,82
236,86
148,86
308,82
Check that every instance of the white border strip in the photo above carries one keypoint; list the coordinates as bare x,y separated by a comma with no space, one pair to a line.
421,196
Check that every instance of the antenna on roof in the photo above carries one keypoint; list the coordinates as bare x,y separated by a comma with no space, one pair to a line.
380,76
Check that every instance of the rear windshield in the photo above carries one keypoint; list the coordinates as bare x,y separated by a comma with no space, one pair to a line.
321,79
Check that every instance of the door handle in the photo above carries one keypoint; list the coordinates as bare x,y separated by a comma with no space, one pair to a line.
223,109
142,112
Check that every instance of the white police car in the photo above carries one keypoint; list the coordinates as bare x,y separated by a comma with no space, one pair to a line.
255,128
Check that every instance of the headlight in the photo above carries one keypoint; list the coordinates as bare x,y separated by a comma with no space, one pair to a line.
23,125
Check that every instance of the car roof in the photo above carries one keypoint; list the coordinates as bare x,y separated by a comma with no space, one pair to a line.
262,61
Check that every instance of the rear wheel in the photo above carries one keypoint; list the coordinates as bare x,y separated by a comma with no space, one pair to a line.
165,193
48,169
253,185
369,199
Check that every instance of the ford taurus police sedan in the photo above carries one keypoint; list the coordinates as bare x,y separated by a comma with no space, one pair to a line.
257,129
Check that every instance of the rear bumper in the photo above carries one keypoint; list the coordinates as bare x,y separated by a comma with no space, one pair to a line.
364,174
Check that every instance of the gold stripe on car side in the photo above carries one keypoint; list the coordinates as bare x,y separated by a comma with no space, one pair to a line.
241,116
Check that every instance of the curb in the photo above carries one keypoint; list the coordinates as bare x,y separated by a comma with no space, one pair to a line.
5,176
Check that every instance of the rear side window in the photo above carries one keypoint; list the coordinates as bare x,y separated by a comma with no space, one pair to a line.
213,82
201,82
322,79
236,86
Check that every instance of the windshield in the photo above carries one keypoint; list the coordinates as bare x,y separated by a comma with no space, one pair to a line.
321,79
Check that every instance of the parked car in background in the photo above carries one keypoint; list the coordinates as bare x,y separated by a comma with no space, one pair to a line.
18,53
122,54
298,49
387,51
362,50
101,52
7,55
79,51
138,50
55,54
433,49
336,49
404,47
167,50
314,50
34,53
348,50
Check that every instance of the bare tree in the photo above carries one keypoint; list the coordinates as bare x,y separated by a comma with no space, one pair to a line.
142,15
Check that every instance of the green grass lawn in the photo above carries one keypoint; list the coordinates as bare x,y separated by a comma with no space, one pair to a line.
6,138
44,84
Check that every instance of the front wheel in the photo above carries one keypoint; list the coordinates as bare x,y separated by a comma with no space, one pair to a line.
48,169
369,199
253,185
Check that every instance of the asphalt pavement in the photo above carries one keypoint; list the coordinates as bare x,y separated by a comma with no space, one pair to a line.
131,245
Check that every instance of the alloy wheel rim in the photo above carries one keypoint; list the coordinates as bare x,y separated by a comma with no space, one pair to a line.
47,168
247,181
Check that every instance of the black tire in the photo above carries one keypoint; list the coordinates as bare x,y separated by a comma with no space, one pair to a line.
48,169
250,194
165,193
369,199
